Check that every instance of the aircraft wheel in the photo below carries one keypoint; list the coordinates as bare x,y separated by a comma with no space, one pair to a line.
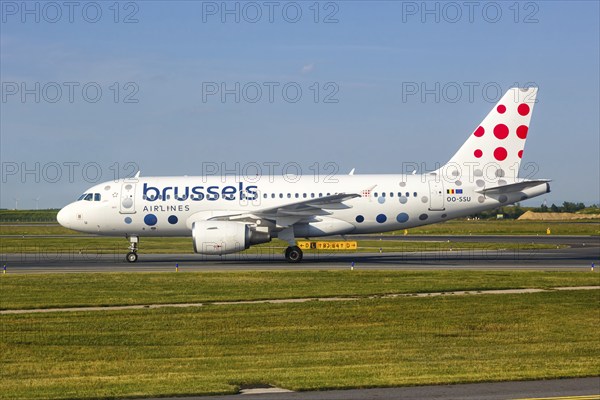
132,257
293,254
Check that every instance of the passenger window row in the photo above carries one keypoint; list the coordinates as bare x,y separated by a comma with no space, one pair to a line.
278,195
391,194
295,195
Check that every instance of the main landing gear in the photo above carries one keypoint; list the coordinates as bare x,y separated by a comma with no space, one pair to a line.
293,254
133,248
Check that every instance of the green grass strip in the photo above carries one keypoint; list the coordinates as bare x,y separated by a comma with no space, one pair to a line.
104,289
308,346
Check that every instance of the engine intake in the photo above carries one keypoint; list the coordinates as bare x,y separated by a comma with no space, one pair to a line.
225,237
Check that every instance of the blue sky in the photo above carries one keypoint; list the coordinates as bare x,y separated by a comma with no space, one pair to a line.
361,54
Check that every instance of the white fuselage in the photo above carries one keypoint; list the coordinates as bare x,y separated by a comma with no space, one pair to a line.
165,206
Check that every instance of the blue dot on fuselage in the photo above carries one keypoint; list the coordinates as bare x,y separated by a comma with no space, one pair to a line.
402,218
150,219
381,218
172,219
128,220
360,218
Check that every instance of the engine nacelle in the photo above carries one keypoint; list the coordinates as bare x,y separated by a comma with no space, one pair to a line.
225,237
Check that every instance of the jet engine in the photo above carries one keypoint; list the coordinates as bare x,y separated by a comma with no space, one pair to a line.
225,237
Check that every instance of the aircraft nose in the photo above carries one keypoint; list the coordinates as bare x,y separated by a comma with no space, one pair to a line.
64,217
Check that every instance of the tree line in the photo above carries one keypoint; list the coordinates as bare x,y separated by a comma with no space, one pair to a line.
514,212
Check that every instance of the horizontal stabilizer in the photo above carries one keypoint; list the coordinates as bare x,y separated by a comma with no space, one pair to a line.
512,187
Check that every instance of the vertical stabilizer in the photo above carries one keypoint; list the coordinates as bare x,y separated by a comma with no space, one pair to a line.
495,148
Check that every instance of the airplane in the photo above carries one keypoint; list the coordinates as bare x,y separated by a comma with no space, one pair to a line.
228,214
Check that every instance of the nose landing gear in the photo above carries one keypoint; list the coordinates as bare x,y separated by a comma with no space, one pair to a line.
133,248
131,257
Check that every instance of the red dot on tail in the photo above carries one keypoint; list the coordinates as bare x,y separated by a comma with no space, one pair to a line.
479,131
520,153
522,131
523,109
478,153
500,153
501,131
501,109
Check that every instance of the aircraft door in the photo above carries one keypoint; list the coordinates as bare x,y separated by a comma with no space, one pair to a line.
127,202
436,196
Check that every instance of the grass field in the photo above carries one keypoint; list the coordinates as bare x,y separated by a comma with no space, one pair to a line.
315,345
28,216
35,229
68,290
215,349
508,227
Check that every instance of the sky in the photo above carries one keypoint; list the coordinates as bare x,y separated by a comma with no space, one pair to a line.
97,90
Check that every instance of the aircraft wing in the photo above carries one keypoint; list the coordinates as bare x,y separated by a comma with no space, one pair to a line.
289,214
282,215
512,187
316,206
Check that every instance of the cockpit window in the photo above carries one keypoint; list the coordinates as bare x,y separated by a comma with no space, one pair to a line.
90,197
